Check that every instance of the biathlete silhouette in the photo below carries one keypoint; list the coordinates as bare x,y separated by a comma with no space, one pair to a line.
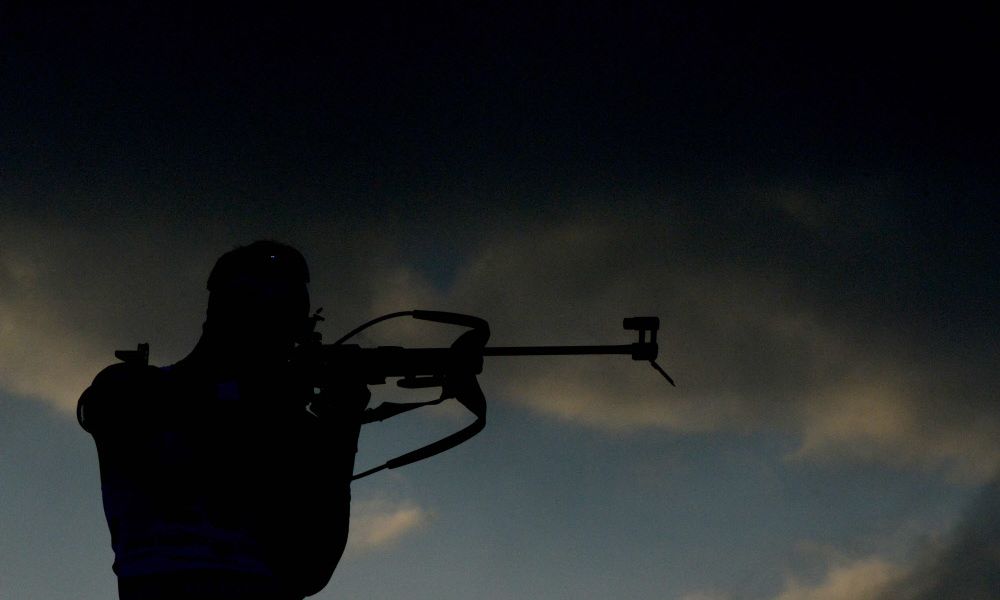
225,476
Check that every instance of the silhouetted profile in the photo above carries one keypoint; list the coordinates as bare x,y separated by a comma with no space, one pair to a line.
218,481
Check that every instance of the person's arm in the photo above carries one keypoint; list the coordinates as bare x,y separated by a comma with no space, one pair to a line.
336,418
315,534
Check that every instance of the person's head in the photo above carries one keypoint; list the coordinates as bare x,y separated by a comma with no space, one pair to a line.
258,299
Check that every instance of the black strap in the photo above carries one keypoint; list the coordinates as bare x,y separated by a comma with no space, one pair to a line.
465,389
461,386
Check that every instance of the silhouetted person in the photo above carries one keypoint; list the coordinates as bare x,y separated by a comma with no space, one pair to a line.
222,476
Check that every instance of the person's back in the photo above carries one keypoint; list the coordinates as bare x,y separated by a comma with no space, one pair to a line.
217,482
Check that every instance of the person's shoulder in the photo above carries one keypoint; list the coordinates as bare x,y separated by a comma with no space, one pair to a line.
126,375
116,387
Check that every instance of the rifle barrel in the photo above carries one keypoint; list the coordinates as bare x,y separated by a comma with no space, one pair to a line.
557,350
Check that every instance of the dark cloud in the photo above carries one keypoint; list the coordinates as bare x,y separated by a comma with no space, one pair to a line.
766,322
799,196
786,306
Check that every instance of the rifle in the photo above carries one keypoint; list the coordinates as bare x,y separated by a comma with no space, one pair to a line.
453,369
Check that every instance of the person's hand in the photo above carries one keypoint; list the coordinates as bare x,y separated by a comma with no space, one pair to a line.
341,404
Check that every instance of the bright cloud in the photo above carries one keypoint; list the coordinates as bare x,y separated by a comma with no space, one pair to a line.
866,579
881,416
41,354
751,349
752,344
377,524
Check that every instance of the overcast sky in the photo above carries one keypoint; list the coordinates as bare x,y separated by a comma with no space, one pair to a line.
804,198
